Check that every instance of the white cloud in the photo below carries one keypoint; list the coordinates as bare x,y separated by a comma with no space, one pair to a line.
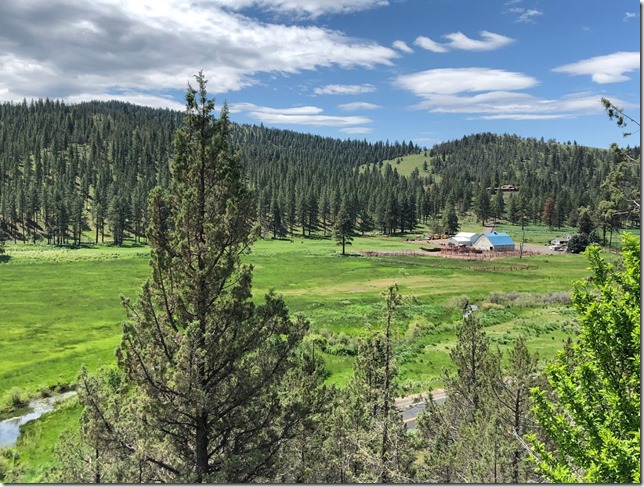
359,105
61,49
309,8
492,94
490,41
604,69
402,46
430,45
457,80
523,116
344,89
457,40
296,116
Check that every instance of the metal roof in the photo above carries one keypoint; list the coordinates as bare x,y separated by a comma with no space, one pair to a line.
499,238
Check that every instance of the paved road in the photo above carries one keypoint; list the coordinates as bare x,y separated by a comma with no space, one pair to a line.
412,406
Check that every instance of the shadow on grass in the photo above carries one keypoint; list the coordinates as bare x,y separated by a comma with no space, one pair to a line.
4,258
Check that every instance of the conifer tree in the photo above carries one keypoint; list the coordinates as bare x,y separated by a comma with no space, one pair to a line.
204,396
368,440
343,228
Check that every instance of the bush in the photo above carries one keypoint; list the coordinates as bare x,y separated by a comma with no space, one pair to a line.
577,243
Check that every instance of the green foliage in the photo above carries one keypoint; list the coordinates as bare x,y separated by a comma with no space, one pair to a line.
577,243
450,221
593,417
199,394
343,228
367,439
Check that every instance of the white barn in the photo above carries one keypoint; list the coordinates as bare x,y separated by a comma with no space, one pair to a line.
463,239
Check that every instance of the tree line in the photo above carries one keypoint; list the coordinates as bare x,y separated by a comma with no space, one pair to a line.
69,169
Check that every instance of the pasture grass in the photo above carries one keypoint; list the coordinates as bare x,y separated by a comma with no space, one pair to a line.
60,308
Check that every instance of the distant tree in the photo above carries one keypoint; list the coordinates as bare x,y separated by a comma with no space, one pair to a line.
585,223
548,214
592,417
482,206
365,221
513,209
117,214
276,225
577,243
499,204
450,223
343,228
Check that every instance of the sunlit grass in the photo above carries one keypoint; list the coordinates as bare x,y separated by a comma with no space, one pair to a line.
60,308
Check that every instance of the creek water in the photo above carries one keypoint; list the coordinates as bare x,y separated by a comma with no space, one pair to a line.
10,428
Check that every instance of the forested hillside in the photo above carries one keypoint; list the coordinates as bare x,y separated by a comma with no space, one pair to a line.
571,174
69,169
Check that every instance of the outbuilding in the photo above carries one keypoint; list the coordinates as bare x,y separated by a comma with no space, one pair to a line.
463,239
495,241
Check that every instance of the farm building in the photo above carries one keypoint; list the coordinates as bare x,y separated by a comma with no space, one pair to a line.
560,240
463,239
495,241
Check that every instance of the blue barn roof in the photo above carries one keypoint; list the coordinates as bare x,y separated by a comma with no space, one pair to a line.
499,238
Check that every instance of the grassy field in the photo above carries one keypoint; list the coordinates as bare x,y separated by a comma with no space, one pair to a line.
60,308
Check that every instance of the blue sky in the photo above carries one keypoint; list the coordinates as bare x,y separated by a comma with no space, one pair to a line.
420,70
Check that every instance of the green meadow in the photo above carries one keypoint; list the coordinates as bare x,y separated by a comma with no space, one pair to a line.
60,308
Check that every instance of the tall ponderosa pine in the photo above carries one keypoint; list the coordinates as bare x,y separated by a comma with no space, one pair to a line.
204,366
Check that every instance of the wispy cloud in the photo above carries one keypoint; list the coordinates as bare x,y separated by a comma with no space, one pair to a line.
306,8
458,80
629,15
308,115
430,45
490,42
358,105
402,46
344,89
604,69
526,16
457,40
523,15
491,94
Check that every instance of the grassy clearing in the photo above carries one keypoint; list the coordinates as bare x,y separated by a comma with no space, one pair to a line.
406,164
60,308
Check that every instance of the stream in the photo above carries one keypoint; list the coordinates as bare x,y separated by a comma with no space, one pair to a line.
10,428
